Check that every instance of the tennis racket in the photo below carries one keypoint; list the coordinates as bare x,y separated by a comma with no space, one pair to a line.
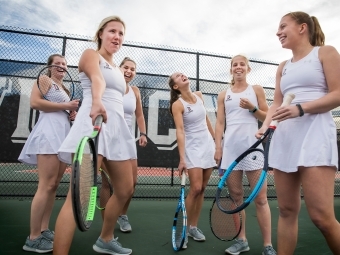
53,92
179,226
254,162
84,178
104,190
226,227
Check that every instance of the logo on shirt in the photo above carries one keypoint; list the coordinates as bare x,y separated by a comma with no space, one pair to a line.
284,72
56,87
107,66
228,98
189,109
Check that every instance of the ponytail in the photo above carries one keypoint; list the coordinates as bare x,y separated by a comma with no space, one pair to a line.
316,36
174,93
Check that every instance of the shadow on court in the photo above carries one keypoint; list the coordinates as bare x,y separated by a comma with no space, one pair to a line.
151,230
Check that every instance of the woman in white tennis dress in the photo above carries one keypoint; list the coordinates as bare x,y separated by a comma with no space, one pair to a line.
304,149
195,145
103,89
239,109
41,149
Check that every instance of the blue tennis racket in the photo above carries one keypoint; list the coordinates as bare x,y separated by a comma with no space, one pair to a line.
248,172
179,226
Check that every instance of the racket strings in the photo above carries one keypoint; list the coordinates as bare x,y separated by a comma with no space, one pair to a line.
179,228
246,174
225,226
105,189
86,180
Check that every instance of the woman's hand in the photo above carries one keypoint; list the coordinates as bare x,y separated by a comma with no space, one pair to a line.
246,104
218,156
72,105
182,167
73,115
143,141
261,131
96,110
286,112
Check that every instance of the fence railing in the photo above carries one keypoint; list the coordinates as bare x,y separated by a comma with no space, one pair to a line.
23,52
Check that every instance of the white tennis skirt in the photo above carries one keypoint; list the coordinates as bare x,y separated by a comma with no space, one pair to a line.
199,150
307,141
46,137
115,140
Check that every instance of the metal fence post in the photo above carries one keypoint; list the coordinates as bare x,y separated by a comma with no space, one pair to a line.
64,46
197,71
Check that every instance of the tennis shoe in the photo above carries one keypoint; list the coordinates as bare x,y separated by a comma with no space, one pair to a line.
112,247
124,224
238,247
48,234
268,250
196,234
39,245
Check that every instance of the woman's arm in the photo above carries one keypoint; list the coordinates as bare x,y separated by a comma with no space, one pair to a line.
177,111
261,113
219,127
140,116
89,64
37,101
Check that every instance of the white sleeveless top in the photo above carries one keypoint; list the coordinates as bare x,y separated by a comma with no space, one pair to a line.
194,116
129,104
311,139
199,144
57,94
234,113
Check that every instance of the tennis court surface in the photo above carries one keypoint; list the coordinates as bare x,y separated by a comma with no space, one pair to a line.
151,230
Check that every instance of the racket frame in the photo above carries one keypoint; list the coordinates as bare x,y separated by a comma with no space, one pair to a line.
233,215
180,207
75,192
104,173
75,186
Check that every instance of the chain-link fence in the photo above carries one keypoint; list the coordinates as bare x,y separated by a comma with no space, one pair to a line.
24,52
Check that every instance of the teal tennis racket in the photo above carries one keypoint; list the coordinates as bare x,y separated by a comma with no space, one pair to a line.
84,178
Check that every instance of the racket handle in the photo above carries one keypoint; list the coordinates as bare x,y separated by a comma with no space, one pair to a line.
286,101
183,179
98,121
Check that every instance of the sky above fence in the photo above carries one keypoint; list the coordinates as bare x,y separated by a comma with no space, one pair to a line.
217,26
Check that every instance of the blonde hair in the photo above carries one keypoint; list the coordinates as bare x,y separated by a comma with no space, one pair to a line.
316,36
232,82
101,27
127,59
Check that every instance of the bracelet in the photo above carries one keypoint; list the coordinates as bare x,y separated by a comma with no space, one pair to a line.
254,110
300,110
141,133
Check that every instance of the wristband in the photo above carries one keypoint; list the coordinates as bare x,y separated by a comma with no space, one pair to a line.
254,110
141,133
300,110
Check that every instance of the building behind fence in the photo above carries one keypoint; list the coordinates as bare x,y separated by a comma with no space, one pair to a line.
24,52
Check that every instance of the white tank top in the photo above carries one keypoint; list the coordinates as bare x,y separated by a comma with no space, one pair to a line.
57,94
129,103
114,79
233,112
194,116
304,78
